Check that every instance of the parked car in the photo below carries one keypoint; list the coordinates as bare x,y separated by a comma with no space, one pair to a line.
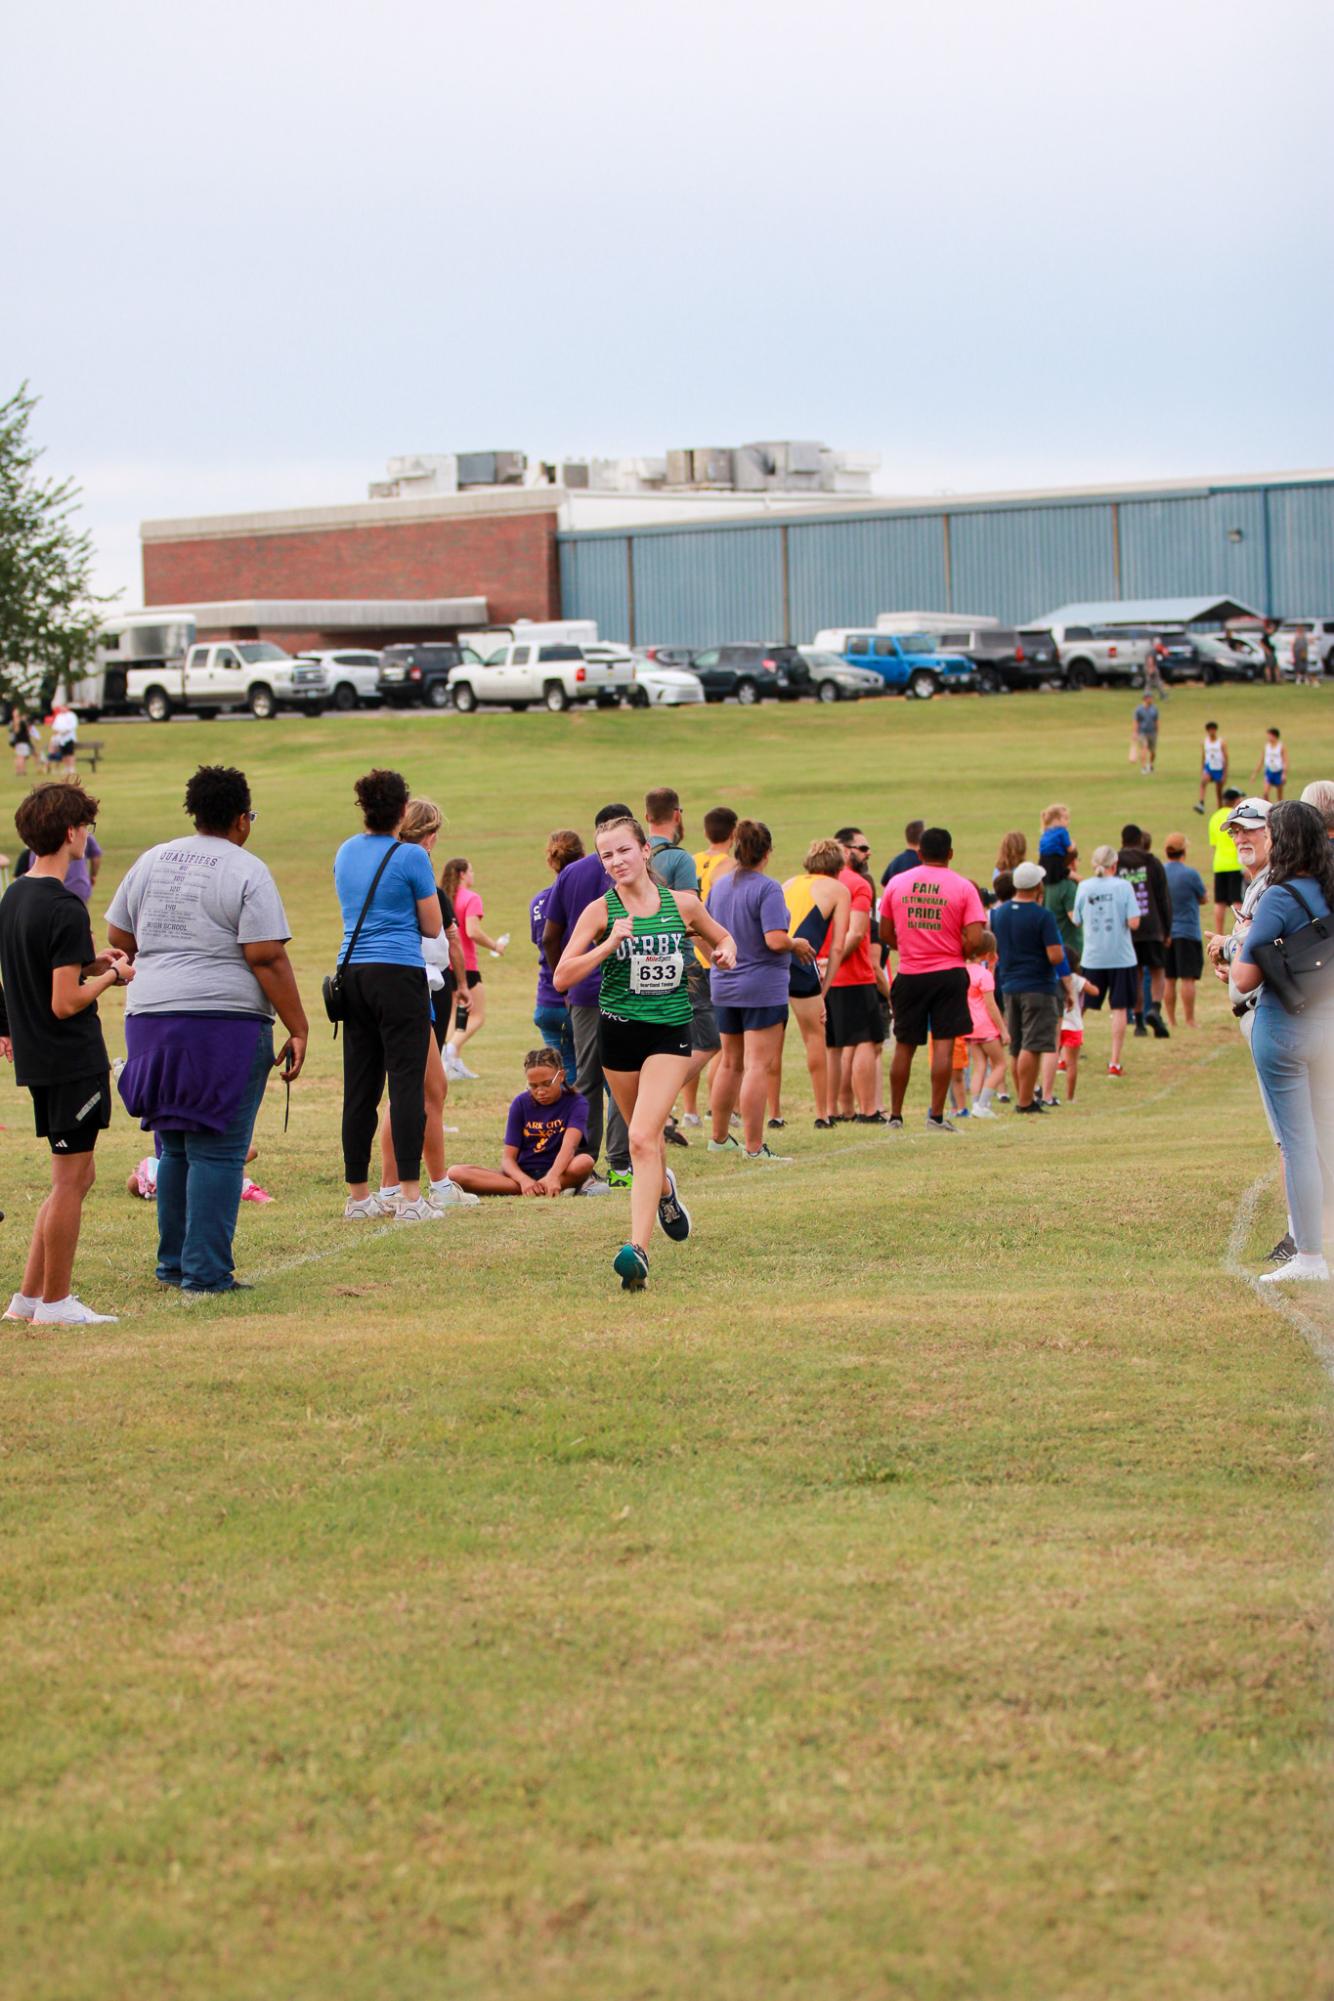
910,663
1319,643
1003,656
420,672
832,680
353,674
1090,654
1178,656
557,676
751,672
229,674
657,686
1227,656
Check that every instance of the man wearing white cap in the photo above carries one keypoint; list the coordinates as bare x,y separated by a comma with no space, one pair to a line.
1030,951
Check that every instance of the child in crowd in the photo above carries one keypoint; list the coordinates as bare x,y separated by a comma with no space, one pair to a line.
1072,1029
1273,763
543,1154
986,1038
143,1181
958,1093
1054,847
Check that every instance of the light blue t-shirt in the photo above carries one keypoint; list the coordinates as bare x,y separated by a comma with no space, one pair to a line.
1104,906
1186,888
391,935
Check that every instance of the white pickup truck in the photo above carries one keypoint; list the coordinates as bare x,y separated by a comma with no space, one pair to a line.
1092,653
556,674
229,674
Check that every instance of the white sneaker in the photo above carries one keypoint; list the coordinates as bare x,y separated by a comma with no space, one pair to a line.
1305,1265
69,1312
388,1197
983,1112
595,1185
20,1307
420,1211
447,1194
367,1206
691,1119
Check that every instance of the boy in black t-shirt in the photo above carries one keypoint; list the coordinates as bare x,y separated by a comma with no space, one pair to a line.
52,979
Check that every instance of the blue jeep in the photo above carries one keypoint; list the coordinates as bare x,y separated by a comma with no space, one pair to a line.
908,662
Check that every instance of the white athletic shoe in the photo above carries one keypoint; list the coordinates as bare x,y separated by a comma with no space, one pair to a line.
595,1185
69,1312
420,1211
447,1194
388,1197
20,1307
773,1159
367,1206
1307,1265
691,1119
983,1112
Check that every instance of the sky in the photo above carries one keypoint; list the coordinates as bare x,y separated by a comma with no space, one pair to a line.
251,253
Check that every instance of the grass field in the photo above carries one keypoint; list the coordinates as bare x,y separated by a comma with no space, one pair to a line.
922,1590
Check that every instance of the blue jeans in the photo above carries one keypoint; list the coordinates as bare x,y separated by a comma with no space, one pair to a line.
558,1031
199,1190
1294,1060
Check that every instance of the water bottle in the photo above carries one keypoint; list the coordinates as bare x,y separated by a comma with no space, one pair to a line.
502,941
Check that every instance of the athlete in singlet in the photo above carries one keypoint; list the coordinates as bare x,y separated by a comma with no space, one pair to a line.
639,933
819,907
1213,769
1274,762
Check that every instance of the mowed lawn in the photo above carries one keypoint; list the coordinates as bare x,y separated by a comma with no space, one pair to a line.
921,1590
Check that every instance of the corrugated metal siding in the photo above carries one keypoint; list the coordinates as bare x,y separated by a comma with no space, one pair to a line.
708,586
594,583
1180,548
1301,543
1015,563
843,573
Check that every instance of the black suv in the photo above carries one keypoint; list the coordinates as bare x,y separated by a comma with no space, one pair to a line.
420,673
752,673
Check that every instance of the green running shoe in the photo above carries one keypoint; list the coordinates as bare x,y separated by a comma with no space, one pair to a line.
615,1178
729,1145
630,1265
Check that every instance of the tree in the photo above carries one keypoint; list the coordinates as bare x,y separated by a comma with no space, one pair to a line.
48,612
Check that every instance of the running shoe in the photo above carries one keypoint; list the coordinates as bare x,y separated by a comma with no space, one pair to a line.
984,1112
729,1145
630,1265
1140,1028
824,1125
618,1179
1115,1070
1050,1104
1002,1097
1027,1111
423,1210
69,1312
1307,1265
939,1125
672,1136
1062,1065
447,1194
895,1121
869,1119
1284,1249
1200,807
772,1159
594,1185
691,1119
367,1206
20,1307
1158,1025
777,1125
673,1216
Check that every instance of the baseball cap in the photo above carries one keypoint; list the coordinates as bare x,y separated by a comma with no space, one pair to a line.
1029,875
1250,813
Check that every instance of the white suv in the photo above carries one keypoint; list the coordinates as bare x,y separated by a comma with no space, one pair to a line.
353,675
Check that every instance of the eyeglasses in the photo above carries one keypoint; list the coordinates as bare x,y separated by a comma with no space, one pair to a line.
251,815
860,848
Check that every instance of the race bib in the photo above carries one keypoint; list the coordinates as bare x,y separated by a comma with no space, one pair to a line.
661,975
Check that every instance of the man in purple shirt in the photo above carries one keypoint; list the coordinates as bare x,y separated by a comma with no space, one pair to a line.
579,884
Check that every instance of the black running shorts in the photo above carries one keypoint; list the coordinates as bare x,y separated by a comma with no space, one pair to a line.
69,1116
931,1004
627,1045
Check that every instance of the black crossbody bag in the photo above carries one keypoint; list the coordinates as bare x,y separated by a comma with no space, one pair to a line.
335,999
1297,967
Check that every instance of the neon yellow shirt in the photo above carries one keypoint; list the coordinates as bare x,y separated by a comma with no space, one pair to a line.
1224,847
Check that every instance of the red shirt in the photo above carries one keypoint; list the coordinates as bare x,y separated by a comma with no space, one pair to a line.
856,969
929,907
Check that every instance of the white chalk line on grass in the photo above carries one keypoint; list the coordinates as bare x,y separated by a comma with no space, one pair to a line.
877,1141
1317,1338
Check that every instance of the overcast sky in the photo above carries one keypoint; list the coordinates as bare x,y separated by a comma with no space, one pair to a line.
253,251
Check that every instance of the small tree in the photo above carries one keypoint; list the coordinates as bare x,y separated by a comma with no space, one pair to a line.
48,612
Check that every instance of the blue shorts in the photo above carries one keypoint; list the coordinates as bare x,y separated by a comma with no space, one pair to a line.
1214,777
1117,985
736,1020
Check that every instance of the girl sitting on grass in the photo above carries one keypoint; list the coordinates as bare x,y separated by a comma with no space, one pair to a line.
544,1152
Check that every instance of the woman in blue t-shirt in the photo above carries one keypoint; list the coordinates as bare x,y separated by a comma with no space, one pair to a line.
387,1018
1294,1053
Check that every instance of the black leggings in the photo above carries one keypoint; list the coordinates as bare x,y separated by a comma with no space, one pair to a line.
386,1029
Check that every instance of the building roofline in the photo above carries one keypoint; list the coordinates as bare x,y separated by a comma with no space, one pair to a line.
353,514
328,614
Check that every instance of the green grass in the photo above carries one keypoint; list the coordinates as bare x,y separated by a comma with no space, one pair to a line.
920,1591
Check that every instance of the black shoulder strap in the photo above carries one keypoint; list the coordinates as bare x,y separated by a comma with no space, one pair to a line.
389,854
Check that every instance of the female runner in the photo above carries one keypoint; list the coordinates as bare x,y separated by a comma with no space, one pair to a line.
638,934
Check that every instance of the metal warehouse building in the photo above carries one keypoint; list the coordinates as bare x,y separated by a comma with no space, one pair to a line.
1266,540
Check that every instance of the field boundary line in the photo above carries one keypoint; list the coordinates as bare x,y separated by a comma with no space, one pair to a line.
1316,1338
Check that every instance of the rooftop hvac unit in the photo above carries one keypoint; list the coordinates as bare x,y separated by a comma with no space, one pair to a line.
752,468
804,458
679,468
575,473
510,468
711,465
491,468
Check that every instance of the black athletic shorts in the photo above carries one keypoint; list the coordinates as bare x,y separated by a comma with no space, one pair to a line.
1119,986
627,1045
473,978
1149,952
1227,885
931,1004
851,1016
70,1115
1185,958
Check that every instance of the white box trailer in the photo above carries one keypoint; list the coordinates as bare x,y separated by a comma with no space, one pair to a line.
931,621
540,632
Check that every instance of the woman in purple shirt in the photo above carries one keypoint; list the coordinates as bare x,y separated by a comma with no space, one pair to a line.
750,998
550,1013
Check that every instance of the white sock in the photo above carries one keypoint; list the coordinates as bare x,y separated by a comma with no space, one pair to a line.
983,1098
387,1193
